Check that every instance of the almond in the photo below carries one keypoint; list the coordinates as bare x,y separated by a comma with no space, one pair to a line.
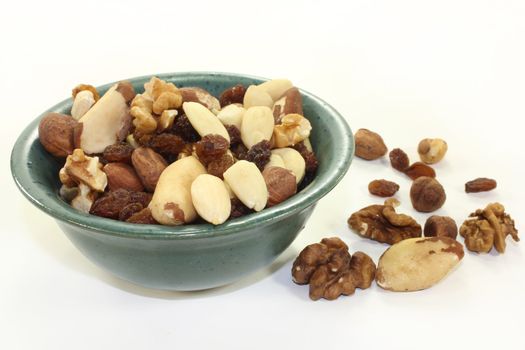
122,175
203,120
247,183
293,161
417,263
149,165
276,87
257,125
211,199
256,96
232,115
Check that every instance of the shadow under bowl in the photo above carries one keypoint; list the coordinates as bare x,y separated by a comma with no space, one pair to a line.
189,257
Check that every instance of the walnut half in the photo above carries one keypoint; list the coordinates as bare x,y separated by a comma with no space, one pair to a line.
331,271
381,223
488,227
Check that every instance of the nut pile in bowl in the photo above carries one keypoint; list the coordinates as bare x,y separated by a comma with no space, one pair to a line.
173,155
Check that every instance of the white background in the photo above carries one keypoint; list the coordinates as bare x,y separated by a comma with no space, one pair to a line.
406,69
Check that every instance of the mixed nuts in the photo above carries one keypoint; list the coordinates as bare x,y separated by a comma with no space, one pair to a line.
170,155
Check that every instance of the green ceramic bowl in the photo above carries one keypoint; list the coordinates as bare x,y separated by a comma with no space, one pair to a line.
189,257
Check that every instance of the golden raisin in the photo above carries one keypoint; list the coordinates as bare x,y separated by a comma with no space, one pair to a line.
383,188
480,184
142,217
419,169
118,153
211,147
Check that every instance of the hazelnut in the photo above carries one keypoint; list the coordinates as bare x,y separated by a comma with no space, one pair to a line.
432,151
427,194
281,184
56,134
441,226
369,145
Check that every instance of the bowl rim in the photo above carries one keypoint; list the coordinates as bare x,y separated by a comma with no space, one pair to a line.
50,203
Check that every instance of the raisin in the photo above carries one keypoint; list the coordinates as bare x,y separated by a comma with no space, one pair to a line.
168,145
118,153
238,209
142,217
419,169
399,159
217,167
129,210
235,94
111,203
383,188
142,138
183,128
311,162
239,151
259,154
235,135
480,184
211,147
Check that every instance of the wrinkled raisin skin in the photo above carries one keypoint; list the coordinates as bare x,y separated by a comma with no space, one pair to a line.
129,210
218,166
239,151
238,209
418,170
168,145
481,184
235,94
111,203
259,154
183,128
399,159
383,188
118,153
142,217
311,162
235,135
211,147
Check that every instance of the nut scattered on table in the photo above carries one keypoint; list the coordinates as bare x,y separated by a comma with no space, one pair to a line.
432,151
427,194
399,159
383,188
381,223
369,145
440,226
417,263
487,228
481,184
331,271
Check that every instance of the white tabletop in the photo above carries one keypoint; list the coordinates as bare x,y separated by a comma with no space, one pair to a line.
406,69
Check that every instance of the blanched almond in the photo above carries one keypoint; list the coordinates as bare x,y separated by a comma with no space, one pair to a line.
257,125
211,199
256,96
276,87
293,161
247,182
417,263
203,120
232,115
275,160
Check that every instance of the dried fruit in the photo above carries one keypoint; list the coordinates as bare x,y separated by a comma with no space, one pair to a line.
381,223
122,175
331,271
259,154
280,183
129,210
487,228
211,147
142,217
432,151
369,145
311,162
247,182
211,199
399,159
235,135
383,188
440,226
56,134
239,151
119,153
203,120
238,209
293,161
171,203
149,165
480,184
235,94
257,125
218,166
427,194
418,170
111,203
168,145
417,263
183,128
292,129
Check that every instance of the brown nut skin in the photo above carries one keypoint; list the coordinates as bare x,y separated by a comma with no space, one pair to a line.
419,169
290,103
427,194
383,188
199,95
56,134
149,165
281,184
399,159
122,175
481,184
369,145
440,226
